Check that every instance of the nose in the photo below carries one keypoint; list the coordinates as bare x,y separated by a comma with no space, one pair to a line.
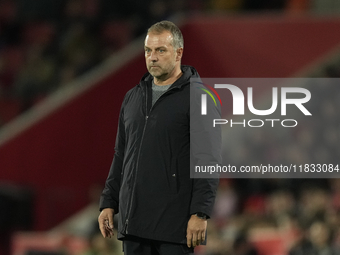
153,56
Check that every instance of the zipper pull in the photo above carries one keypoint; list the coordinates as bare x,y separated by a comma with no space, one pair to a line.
126,225
146,117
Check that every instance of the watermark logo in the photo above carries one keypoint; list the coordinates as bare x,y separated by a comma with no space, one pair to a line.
281,97
238,100
204,97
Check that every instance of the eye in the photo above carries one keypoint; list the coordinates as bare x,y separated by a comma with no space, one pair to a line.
147,50
161,51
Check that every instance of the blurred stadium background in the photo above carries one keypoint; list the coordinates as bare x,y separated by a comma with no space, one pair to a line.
65,66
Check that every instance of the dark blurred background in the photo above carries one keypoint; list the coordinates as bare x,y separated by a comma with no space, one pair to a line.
65,66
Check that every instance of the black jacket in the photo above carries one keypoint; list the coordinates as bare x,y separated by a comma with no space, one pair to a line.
149,181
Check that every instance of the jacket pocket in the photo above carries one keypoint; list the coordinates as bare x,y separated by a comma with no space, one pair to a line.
173,176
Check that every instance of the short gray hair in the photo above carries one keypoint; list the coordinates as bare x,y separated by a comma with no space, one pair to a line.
176,33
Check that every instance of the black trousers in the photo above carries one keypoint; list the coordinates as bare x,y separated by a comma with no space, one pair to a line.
140,246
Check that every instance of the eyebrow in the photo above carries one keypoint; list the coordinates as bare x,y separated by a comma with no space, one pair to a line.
161,47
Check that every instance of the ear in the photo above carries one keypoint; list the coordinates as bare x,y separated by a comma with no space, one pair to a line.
179,54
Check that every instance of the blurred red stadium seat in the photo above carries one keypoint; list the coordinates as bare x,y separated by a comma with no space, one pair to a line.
268,241
255,205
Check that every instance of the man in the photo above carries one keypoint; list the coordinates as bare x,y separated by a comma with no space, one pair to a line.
161,209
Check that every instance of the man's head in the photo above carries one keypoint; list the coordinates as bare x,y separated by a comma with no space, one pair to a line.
162,26
163,51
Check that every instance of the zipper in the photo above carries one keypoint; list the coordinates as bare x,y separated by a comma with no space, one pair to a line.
139,150
126,225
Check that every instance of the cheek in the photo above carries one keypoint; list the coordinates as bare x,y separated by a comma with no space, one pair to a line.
170,59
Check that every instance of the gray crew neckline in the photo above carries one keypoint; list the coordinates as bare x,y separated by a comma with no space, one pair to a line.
160,87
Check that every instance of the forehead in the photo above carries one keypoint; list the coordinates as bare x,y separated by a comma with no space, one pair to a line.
158,40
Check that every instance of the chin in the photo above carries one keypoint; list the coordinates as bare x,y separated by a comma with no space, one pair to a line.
155,74
152,73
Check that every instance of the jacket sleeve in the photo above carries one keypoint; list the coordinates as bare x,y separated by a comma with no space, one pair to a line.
205,149
110,195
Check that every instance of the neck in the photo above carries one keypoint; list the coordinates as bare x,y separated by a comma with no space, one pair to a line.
170,79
